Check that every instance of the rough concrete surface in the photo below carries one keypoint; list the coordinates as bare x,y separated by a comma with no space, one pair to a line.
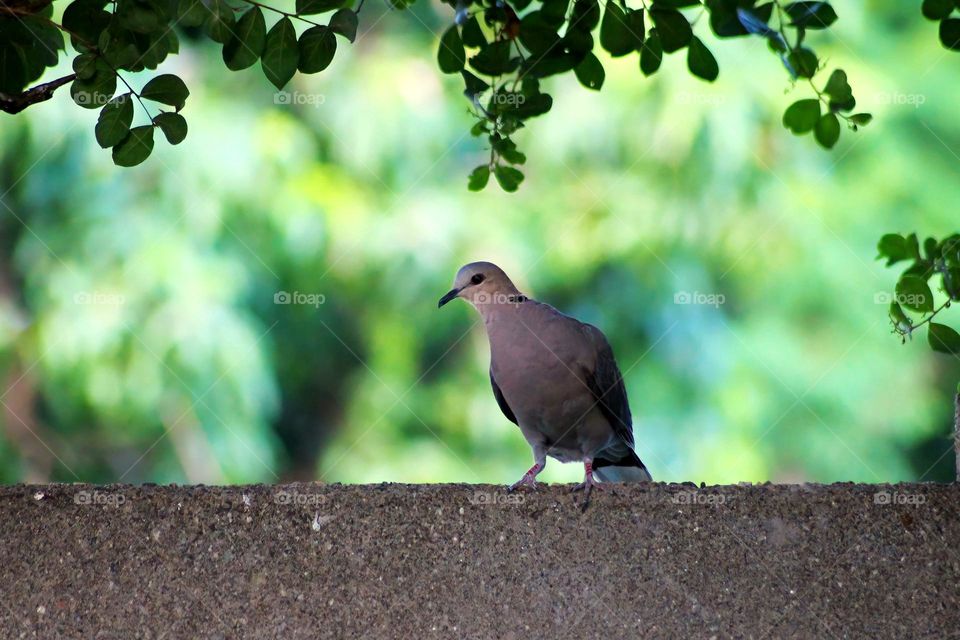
448,561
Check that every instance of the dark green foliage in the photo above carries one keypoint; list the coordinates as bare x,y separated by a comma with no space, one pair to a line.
166,89
114,121
501,49
939,260
345,22
249,38
135,147
451,56
802,116
173,125
281,53
111,38
317,47
701,62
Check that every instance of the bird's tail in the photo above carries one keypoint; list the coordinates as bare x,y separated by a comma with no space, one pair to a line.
629,468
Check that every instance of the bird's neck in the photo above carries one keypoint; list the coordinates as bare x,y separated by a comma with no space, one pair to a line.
501,307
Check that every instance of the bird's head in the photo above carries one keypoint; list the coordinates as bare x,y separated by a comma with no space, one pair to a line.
481,283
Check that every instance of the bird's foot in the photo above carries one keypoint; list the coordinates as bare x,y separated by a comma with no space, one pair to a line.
525,481
588,484
529,479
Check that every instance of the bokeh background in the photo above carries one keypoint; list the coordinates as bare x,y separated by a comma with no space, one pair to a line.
141,339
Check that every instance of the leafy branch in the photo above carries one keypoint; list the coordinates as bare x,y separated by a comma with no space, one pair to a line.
503,50
913,295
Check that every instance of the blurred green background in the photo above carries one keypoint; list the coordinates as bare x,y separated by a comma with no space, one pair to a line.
140,339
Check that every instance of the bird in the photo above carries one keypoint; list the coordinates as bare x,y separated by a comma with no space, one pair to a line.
556,378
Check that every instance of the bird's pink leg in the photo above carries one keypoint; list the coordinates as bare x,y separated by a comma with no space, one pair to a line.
588,482
529,479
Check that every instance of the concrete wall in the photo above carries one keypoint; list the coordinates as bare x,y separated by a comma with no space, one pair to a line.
415,561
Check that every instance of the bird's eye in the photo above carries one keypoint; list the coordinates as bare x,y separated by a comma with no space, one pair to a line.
477,278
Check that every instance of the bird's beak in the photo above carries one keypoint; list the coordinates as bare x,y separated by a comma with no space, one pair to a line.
450,295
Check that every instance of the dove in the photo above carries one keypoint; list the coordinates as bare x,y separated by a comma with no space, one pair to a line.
554,377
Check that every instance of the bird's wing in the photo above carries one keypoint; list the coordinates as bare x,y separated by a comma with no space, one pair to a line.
507,411
606,384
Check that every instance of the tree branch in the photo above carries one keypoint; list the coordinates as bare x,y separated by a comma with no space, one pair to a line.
33,95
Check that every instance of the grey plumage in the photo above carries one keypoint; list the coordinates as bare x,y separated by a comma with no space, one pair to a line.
555,377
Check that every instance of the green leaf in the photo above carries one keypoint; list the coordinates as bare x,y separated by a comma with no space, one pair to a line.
281,53
802,116
536,34
135,148
248,41
701,62
173,125
616,36
651,54
473,85
451,56
802,63
345,22
943,339
838,88
14,69
220,21
86,18
479,178
675,32
113,125
811,15
310,7
137,17
893,246
318,45
590,72
507,149
191,13
951,282
937,9
586,15
166,89
914,293
861,119
472,33
950,33
508,177
536,105
85,66
96,91
827,130
554,11
494,59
